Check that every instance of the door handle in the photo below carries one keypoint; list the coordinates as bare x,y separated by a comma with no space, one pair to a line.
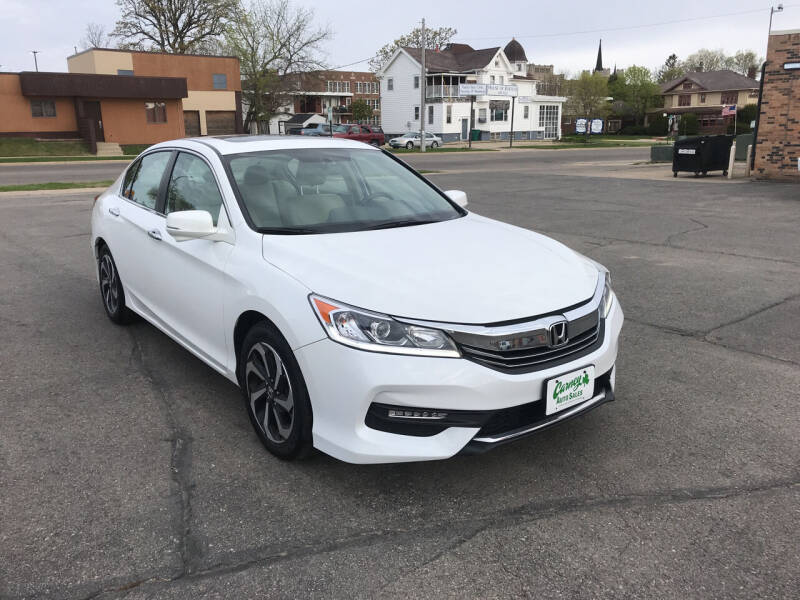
114,211
155,234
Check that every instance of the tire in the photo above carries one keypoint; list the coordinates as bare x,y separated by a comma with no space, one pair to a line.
374,143
674,173
434,144
410,146
111,292
724,173
281,415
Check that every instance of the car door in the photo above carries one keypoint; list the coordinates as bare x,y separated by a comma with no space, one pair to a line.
135,224
189,283
354,133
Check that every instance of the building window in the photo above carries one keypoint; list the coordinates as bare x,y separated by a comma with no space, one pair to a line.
449,113
498,110
416,82
347,100
519,66
729,98
390,84
548,118
497,63
156,112
358,87
125,72
687,85
43,108
685,100
501,80
481,115
416,113
702,98
491,79
220,81
430,114
525,112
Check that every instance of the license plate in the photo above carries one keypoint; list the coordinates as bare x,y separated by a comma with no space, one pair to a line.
569,389
686,150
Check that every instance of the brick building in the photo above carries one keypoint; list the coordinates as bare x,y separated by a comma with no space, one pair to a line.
777,150
316,91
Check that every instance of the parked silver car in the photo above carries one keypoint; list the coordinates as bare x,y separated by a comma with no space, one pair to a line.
412,140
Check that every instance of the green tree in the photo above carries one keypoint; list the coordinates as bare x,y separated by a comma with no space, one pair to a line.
177,26
361,110
671,69
275,43
434,38
587,96
640,92
689,125
745,62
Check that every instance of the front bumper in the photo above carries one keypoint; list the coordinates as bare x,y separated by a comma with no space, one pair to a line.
344,382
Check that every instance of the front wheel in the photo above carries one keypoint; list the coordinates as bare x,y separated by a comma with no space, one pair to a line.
275,394
434,144
374,143
410,146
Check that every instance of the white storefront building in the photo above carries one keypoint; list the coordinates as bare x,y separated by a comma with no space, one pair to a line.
447,114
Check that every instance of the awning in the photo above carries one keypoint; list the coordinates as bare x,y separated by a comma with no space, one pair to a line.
101,86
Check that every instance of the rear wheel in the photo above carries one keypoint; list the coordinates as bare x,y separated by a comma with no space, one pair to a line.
435,145
111,289
410,145
375,143
275,394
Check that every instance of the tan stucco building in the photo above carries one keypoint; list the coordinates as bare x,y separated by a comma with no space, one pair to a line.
213,102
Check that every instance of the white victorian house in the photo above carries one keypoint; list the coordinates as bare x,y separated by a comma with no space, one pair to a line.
447,114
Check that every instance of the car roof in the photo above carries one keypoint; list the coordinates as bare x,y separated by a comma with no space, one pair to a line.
236,144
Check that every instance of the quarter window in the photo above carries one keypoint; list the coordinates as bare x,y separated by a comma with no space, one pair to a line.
143,179
192,187
43,108
156,112
220,81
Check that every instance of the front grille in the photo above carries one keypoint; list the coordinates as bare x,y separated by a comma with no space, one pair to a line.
539,357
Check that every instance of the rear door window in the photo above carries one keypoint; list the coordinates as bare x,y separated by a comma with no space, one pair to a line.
143,179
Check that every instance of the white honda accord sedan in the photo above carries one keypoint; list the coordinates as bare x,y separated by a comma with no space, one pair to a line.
361,310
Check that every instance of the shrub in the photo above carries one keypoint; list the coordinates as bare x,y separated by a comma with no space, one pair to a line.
689,124
634,130
657,125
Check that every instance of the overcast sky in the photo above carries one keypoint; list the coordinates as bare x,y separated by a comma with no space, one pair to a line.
564,34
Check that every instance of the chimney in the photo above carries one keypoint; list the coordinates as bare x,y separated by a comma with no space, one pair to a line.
751,72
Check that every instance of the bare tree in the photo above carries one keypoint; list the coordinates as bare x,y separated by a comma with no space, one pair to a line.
587,96
434,38
178,26
276,43
95,37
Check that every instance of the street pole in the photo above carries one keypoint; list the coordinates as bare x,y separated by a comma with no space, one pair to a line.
511,138
422,94
471,119
773,10
35,62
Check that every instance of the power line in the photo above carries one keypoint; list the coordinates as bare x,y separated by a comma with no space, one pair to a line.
628,27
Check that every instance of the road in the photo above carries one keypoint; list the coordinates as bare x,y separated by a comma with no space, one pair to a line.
130,470
21,173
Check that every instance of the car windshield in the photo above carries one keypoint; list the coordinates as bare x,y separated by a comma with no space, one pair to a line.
327,190
340,129
409,135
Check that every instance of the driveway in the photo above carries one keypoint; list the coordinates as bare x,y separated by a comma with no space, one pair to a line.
129,469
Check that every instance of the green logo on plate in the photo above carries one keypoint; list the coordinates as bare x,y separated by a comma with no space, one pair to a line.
571,389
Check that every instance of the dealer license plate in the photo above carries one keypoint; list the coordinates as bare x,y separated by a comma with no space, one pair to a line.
686,150
569,389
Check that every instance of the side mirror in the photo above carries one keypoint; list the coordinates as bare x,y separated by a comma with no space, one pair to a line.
190,225
458,197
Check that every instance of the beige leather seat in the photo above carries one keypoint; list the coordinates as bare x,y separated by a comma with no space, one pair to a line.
310,206
263,190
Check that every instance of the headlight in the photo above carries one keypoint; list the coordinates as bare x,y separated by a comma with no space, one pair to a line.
379,333
608,297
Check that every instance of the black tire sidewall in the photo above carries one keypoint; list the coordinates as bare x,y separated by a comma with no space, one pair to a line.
410,146
122,315
299,444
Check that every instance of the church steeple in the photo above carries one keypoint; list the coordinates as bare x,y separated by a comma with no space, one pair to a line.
599,66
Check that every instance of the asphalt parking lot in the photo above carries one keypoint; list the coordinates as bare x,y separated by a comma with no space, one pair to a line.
129,469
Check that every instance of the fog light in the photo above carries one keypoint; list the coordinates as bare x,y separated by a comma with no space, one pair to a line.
415,414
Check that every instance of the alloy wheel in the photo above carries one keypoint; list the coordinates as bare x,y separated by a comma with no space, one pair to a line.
270,392
109,285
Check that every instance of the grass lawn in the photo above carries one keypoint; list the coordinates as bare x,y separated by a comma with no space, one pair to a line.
21,146
63,185
598,144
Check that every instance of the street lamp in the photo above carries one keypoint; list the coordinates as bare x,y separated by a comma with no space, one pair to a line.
35,62
772,10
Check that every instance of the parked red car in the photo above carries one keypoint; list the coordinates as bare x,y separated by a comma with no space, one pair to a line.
368,134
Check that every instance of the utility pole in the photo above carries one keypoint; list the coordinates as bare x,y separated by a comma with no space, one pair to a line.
422,94
511,137
35,62
772,10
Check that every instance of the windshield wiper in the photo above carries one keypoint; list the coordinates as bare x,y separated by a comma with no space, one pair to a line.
286,230
392,224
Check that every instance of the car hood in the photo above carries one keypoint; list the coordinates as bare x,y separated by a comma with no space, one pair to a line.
466,270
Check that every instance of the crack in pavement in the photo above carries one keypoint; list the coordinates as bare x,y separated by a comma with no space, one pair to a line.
668,241
469,527
180,461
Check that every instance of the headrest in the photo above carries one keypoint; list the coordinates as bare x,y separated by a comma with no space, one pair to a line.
256,175
310,173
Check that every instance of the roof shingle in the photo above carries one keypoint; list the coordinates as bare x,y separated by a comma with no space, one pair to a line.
714,81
